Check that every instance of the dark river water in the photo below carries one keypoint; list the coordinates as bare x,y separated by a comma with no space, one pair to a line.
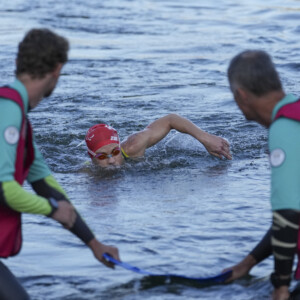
179,210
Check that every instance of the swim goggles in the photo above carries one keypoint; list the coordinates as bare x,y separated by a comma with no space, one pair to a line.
103,155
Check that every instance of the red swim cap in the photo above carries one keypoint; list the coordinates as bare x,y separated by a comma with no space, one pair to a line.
100,135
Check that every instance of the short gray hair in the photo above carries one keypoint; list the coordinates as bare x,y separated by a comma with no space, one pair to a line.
254,71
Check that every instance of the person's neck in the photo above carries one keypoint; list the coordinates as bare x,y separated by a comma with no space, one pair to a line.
266,104
35,88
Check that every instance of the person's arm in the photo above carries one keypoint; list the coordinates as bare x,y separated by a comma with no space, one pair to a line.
67,215
45,185
260,252
14,196
263,249
137,143
284,245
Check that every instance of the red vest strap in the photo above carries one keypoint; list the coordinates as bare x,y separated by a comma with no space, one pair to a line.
25,142
290,111
11,94
297,272
10,220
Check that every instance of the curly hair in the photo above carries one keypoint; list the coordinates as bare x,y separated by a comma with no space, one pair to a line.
40,52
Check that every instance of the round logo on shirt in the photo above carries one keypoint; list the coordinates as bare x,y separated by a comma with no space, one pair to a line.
11,135
277,157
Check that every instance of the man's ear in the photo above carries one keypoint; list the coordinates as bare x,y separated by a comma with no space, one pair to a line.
241,95
57,70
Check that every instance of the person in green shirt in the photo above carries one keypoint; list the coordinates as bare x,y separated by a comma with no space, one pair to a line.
40,58
258,93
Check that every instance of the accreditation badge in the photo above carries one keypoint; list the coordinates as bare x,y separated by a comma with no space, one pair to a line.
11,135
277,157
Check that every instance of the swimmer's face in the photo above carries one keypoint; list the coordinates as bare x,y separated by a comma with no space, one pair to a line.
111,161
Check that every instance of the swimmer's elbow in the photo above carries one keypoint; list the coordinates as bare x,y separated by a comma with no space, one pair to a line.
173,120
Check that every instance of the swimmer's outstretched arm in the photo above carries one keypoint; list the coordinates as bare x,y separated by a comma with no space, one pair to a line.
137,143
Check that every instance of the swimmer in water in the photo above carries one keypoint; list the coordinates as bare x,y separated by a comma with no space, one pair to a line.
106,150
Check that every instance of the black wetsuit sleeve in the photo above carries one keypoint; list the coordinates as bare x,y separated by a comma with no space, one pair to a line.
264,248
80,228
42,188
284,244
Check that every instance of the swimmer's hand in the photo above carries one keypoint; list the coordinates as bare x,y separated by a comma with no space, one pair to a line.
99,249
65,214
216,146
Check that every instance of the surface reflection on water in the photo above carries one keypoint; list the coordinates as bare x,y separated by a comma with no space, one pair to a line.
178,210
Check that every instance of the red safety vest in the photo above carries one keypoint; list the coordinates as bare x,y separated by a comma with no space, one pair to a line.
292,111
10,220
